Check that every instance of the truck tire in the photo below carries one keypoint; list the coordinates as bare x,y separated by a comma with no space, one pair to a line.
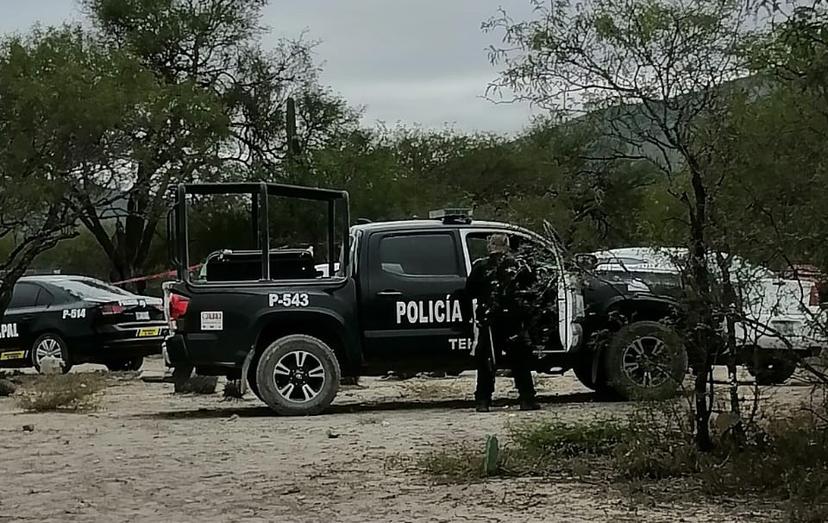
298,375
583,371
772,371
645,360
251,377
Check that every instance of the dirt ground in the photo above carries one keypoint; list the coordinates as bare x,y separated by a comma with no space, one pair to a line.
150,455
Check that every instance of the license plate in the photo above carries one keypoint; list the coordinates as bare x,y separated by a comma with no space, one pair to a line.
142,316
146,333
15,355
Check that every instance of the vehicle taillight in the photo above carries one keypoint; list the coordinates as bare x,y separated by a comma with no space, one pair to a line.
108,309
813,301
178,306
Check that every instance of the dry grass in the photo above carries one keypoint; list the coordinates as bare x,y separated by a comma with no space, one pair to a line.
62,392
433,389
652,453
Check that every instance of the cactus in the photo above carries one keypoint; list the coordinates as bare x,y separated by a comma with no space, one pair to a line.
491,456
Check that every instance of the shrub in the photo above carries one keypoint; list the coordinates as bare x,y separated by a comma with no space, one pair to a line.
7,388
62,392
197,385
554,439
784,460
233,389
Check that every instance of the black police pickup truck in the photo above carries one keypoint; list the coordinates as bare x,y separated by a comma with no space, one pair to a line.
388,301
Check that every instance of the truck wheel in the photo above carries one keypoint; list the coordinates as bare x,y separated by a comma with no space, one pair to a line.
772,371
583,371
181,375
298,375
251,378
645,360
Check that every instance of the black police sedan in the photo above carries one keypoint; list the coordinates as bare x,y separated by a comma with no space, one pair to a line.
79,320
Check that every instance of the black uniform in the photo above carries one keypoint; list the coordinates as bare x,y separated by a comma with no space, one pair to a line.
496,282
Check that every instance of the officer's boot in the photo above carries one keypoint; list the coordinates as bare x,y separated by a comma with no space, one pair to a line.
483,405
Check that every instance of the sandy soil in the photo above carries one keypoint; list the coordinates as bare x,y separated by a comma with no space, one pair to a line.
149,455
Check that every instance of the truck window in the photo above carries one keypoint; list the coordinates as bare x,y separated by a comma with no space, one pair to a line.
476,243
419,255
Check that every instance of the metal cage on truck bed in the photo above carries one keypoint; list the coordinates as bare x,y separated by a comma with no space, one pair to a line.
178,228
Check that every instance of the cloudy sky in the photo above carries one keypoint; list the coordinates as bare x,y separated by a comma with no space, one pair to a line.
411,61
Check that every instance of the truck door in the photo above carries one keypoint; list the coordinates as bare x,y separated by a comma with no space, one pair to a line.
411,307
475,248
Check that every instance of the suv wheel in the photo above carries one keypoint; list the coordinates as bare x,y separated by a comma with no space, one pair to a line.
645,360
298,375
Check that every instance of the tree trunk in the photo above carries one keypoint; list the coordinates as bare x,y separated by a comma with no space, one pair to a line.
731,305
703,440
701,314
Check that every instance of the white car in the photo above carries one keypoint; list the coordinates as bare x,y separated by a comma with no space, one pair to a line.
779,313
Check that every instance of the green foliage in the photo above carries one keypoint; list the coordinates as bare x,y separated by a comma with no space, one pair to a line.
63,101
552,439
151,92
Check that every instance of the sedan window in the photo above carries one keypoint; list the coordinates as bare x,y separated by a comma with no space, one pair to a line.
90,288
24,295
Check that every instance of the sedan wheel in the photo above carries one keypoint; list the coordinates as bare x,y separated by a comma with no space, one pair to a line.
50,346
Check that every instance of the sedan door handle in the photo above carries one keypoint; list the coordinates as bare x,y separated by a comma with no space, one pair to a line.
389,292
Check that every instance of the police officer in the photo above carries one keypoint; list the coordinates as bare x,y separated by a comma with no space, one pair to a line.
496,282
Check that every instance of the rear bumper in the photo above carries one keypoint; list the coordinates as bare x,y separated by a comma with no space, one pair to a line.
133,346
119,341
140,336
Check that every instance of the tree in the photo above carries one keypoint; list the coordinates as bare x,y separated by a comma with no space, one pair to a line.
214,108
65,101
658,75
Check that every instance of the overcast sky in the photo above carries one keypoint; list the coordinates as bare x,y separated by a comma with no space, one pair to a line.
411,61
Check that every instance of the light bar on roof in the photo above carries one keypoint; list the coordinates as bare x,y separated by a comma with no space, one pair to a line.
455,212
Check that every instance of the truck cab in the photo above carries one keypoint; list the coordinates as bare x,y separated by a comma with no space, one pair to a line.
390,300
